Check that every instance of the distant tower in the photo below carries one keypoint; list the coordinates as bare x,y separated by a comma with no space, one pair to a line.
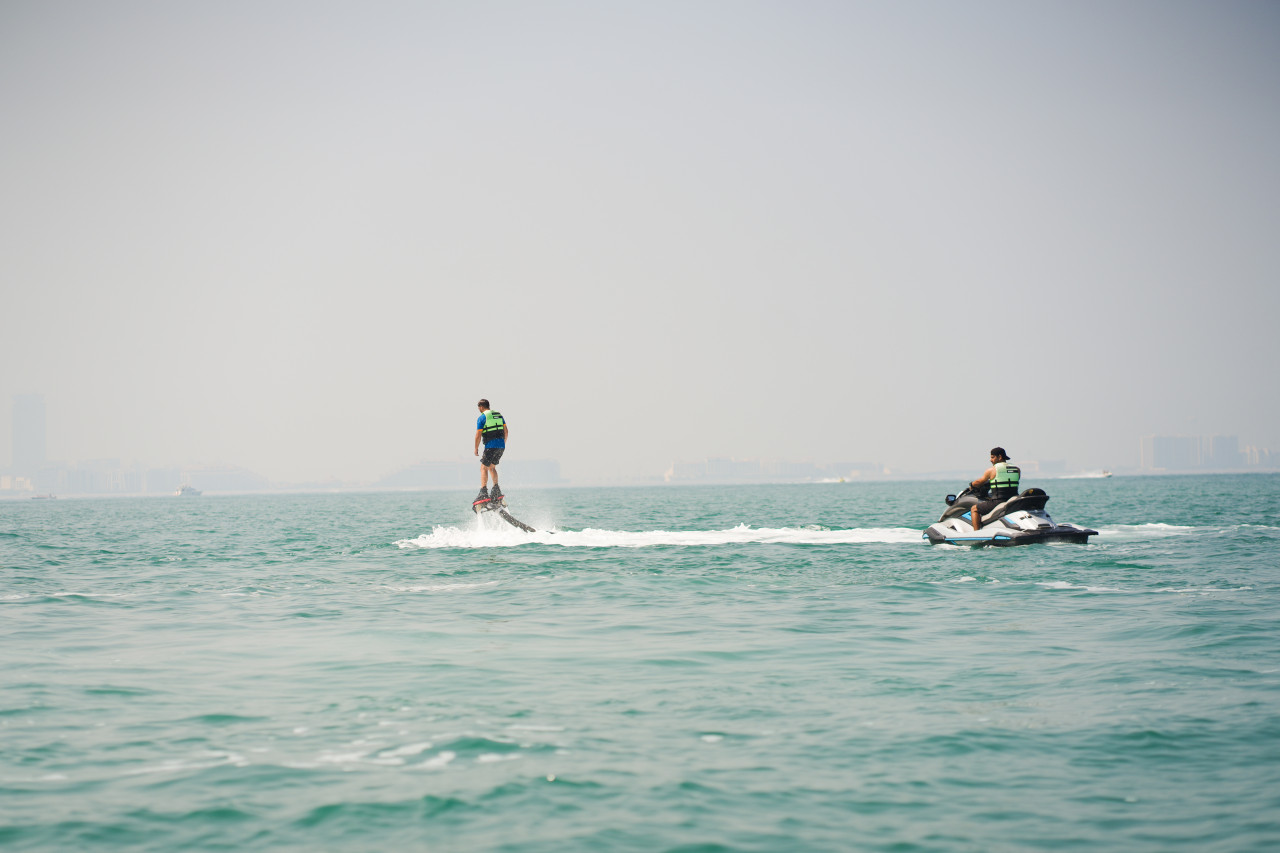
28,434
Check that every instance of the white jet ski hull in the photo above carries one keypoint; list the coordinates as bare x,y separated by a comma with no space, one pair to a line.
1008,530
1020,520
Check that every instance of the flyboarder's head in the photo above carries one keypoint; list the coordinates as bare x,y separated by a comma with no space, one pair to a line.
998,455
483,404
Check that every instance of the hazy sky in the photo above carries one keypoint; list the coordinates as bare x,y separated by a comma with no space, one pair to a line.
305,237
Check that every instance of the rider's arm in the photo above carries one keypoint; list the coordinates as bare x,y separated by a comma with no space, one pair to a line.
986,477
478,433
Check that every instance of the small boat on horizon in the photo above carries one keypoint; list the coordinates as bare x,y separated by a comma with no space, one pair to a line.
186,491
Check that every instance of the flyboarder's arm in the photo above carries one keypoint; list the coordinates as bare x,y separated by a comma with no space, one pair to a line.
478,433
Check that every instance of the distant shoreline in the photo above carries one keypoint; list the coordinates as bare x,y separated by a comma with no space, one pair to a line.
937,477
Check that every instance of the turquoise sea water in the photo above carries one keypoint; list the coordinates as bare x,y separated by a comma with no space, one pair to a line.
781,668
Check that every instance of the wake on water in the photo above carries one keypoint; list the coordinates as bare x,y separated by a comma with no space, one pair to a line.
493,537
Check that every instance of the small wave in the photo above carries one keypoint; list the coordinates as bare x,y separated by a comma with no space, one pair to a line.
530,728
408,750
453,537
1066,585
203,761
439,761
441,587
341,758
1207,590
1076,586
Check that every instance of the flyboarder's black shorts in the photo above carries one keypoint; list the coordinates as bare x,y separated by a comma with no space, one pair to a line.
491,455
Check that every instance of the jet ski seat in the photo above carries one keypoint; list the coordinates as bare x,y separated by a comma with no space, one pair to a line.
1029,499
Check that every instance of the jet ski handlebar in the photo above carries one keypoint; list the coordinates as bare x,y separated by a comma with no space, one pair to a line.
980,493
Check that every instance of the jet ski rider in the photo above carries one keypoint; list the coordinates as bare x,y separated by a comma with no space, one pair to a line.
1000,482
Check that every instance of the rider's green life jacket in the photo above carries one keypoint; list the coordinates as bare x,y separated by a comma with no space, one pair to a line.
493,425
1005,483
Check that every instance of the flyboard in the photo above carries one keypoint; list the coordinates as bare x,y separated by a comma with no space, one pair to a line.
500,507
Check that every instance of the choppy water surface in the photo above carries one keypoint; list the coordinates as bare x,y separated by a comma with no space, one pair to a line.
760,668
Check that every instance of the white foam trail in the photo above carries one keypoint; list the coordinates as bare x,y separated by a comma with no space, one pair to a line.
1146,530
453,537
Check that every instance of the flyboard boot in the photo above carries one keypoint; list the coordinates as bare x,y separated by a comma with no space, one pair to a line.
494,501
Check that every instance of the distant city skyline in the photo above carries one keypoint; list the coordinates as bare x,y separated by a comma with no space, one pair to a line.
1202,452
32,472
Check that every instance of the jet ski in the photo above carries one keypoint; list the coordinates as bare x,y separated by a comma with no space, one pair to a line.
1019,520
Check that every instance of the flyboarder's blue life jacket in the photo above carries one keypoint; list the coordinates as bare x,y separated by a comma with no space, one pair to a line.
493,426
1005,483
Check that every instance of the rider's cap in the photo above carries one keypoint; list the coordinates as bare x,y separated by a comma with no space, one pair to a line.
999,451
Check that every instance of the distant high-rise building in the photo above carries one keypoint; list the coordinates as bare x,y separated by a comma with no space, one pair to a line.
1190,452
28,434
1259,457
1221,451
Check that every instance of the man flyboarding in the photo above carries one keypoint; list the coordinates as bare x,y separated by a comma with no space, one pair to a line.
491,428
